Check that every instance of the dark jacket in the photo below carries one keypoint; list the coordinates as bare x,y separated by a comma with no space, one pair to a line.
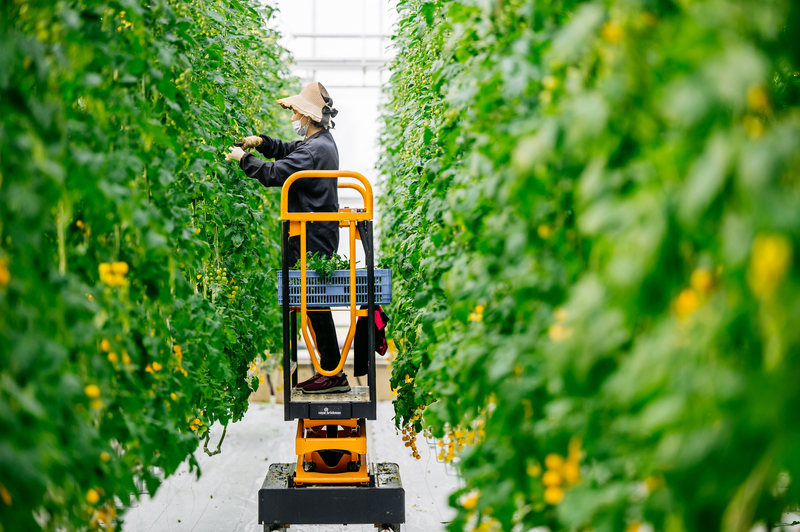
317,152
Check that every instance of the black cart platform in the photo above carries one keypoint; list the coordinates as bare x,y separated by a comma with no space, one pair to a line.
280,503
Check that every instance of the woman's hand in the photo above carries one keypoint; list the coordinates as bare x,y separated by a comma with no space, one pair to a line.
236,154
250,142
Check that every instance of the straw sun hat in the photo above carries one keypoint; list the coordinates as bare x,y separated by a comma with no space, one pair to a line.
315,102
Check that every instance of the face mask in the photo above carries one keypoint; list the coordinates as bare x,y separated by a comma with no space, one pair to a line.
300,130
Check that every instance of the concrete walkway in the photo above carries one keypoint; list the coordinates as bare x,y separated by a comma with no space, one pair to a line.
225,497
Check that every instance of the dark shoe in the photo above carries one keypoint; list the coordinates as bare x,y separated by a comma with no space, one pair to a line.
325,384
306,382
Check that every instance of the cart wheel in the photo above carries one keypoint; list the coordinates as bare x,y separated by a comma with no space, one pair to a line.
394,527
270,528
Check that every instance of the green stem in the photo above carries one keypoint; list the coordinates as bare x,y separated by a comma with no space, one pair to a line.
61,229
219,445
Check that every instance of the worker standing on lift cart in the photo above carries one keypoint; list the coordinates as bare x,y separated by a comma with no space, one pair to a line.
332,479
312,119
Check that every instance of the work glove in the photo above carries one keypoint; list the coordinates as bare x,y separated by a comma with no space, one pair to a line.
236,154
249,142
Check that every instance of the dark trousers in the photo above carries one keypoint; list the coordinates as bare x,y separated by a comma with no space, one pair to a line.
327,342
322,237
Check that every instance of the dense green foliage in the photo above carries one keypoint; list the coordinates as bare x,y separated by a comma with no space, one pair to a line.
593,213
135,265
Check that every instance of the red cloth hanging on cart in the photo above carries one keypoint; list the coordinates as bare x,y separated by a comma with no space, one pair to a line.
360,341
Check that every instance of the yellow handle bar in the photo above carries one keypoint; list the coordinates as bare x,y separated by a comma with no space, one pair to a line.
366,194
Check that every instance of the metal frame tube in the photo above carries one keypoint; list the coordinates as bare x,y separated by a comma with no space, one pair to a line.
287,335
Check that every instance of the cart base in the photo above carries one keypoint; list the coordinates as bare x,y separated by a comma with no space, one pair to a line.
382,503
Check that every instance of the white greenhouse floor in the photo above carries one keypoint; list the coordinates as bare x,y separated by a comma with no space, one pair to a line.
225,497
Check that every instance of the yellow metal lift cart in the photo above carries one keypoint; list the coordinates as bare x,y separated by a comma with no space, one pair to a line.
331,481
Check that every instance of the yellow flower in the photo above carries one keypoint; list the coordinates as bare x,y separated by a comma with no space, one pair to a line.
157,366
126,359
534,470
551,478
105,345
753,126
97,404
92,391
174,396
101,517
553,461
199,276
176,348
758,99
611,32
149,368
471,500
549,82
197,231
92,496
544,231
574,449
571,472
558,332
553,495
686,303
260,378
477,313
195,424
633,527
120,268
105,457
487,526
770,261
653,483
113,358
5,495
702,280
5,275
104,268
